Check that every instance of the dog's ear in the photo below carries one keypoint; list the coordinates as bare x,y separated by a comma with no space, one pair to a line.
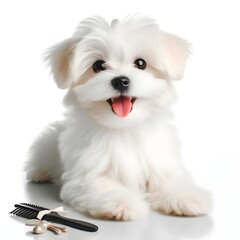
58,57
173,55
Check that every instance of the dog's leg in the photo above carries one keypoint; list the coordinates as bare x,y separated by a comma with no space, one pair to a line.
104,198
43,164
179,196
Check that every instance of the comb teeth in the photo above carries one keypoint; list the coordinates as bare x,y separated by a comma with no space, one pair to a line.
35,206
27,210
26,213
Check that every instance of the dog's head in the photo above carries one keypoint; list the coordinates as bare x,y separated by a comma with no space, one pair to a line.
119,73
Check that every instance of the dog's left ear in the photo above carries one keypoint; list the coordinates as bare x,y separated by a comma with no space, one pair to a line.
58,57
173,55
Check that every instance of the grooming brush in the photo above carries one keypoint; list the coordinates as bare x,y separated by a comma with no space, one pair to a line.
31,211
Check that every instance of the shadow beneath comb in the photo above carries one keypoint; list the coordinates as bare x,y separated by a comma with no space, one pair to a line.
44,194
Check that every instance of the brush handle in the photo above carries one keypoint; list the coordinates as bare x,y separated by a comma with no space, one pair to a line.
55,217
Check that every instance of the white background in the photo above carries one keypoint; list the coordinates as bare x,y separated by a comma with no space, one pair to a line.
207,110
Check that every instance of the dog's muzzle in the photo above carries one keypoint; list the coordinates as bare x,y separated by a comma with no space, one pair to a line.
123,104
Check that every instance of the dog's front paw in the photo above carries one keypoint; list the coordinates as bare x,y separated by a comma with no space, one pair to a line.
182,203
38,175
124,209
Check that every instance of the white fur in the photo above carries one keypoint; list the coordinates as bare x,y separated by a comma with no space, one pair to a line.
108,166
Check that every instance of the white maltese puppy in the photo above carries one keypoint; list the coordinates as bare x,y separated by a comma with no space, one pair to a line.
116,153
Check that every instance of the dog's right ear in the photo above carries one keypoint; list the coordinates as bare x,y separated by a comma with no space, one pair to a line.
173,55
59,57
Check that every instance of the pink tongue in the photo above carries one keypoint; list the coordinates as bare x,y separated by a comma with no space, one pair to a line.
122,106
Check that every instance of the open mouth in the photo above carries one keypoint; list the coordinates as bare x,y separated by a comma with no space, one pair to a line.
122,105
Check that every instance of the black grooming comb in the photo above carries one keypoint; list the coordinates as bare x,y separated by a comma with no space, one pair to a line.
31,211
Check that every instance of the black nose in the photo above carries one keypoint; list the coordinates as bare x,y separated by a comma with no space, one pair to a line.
120,83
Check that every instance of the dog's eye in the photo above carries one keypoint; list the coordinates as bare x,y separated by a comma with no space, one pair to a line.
99,65
140,63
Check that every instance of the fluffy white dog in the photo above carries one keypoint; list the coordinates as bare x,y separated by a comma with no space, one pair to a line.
116,153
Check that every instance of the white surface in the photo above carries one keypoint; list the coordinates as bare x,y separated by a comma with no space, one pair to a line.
207,111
